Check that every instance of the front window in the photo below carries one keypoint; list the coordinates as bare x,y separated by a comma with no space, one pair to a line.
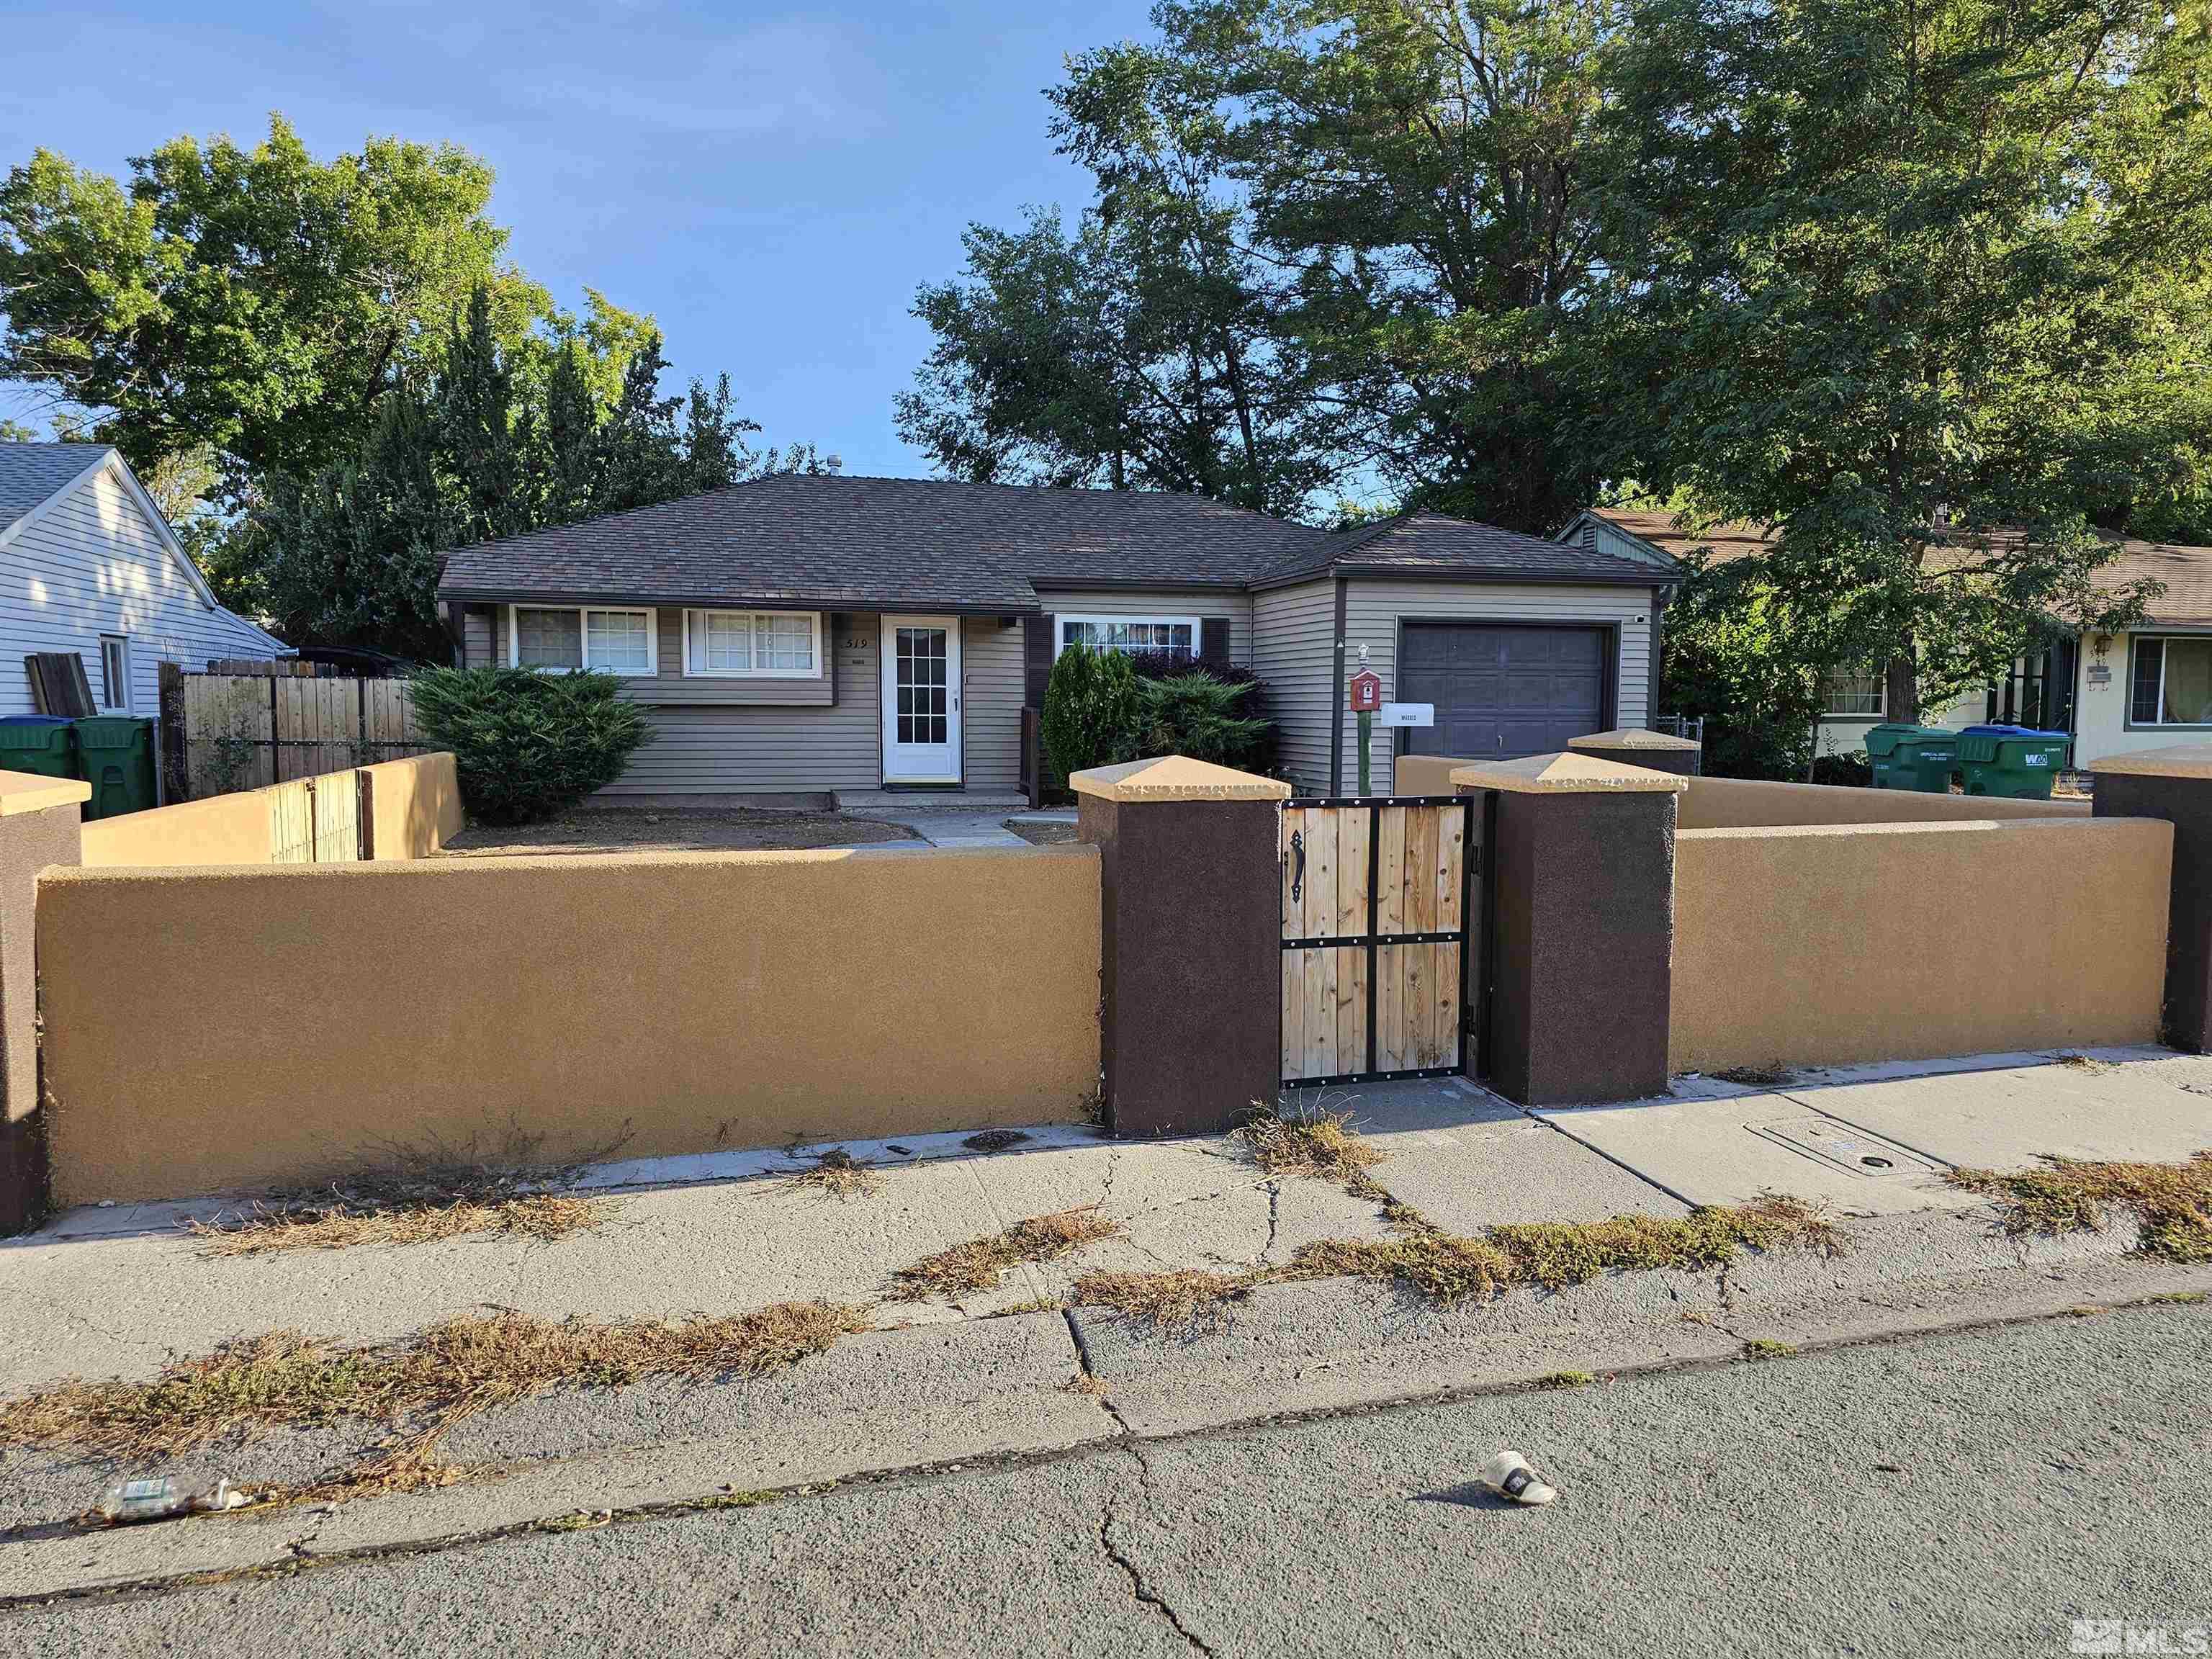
560,639
1850,696
1130,634
782,644
2172,684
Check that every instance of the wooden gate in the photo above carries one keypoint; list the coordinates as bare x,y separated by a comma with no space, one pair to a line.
1377,895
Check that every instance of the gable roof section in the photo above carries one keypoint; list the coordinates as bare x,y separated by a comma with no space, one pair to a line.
2185,571
1428,544
32,475
858,542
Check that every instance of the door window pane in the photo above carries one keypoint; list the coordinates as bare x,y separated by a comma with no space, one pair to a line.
548,639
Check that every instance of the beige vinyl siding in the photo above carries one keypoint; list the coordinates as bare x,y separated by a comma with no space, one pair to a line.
1374,609
733,748
1293,649
991,704
93,564
1082,602
478,633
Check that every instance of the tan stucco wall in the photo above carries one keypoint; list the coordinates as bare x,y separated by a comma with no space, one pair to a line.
1828,945
418,806
1744,802
1424,774
209,1030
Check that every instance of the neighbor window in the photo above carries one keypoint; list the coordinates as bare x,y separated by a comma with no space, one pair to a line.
1849,695
1130,634
115,673
783,644
561,640
2172,684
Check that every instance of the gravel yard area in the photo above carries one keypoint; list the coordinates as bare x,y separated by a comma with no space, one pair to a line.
632,829
1042,834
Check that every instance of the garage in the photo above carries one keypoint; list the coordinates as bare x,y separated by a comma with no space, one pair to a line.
1502,690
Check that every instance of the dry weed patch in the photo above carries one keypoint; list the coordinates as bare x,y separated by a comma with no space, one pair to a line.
836,1174
420,1389
1318,1145
979,1264
2173,1201
1171,1301
418,1195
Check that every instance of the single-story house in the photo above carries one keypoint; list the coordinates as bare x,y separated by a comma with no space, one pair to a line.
92,568
2140,688
840,635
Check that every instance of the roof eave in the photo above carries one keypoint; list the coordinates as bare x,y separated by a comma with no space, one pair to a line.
672,600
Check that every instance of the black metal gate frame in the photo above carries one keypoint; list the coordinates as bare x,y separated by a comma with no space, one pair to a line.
1470,856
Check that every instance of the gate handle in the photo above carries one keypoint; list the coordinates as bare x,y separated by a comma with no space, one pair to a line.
1297,878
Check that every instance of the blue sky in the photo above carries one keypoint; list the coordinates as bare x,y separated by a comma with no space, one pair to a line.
770,182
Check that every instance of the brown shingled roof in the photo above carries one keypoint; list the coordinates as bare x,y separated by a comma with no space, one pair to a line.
2185,571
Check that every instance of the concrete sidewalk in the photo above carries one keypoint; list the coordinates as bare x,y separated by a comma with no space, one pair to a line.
119,1291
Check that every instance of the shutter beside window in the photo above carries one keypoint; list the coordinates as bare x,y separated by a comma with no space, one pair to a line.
1037,636
1213,640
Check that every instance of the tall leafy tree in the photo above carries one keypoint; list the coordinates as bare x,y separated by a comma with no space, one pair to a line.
255,300
1876,269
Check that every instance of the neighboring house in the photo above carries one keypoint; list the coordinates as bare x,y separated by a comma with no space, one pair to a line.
2114,692
817,635
91,567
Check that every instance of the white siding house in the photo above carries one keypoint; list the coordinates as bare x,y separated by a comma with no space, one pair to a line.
88,565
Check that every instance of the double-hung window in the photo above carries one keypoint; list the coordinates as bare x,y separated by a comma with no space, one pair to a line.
2171,682
562,638
1130,634
1852,696
752,644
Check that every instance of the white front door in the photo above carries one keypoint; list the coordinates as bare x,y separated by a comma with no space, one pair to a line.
921,699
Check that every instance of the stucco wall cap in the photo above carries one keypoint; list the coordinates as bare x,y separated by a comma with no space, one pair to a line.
1567,775
2182,760
1176,777
1631,738
27,791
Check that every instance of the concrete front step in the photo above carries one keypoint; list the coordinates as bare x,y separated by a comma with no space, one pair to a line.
930,801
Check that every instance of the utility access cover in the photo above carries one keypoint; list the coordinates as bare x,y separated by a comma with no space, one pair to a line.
1842,1147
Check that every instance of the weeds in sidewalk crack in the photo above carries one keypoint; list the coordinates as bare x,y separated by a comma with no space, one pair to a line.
2172,1201
1311,1142
421,1388
1171,1300
979,1264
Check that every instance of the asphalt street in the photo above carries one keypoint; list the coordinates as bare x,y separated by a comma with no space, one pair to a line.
1973,1492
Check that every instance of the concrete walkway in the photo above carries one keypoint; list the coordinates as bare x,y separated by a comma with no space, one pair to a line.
119,1291
941,826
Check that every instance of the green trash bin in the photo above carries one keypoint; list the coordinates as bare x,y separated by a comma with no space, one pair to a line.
2012,760
40,744
118,752
1918,757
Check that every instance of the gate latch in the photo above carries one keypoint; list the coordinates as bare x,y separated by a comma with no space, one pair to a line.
1298,872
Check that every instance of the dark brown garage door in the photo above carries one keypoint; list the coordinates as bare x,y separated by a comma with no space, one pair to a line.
1503,692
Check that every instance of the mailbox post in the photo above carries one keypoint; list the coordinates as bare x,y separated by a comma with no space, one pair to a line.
1366,697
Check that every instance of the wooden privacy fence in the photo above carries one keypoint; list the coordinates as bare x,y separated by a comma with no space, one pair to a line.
1377,902
322,820
224,732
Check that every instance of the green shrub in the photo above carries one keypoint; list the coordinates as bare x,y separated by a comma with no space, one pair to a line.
527,744
1094,714
1195,713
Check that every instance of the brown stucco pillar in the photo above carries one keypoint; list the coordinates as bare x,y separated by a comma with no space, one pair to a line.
38,828
1655,751
2175,784
1581,927
1190,942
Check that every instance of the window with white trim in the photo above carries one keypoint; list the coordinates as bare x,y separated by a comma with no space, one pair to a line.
1852,696
115,673
2170,683
562,639
752,644
1130,634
